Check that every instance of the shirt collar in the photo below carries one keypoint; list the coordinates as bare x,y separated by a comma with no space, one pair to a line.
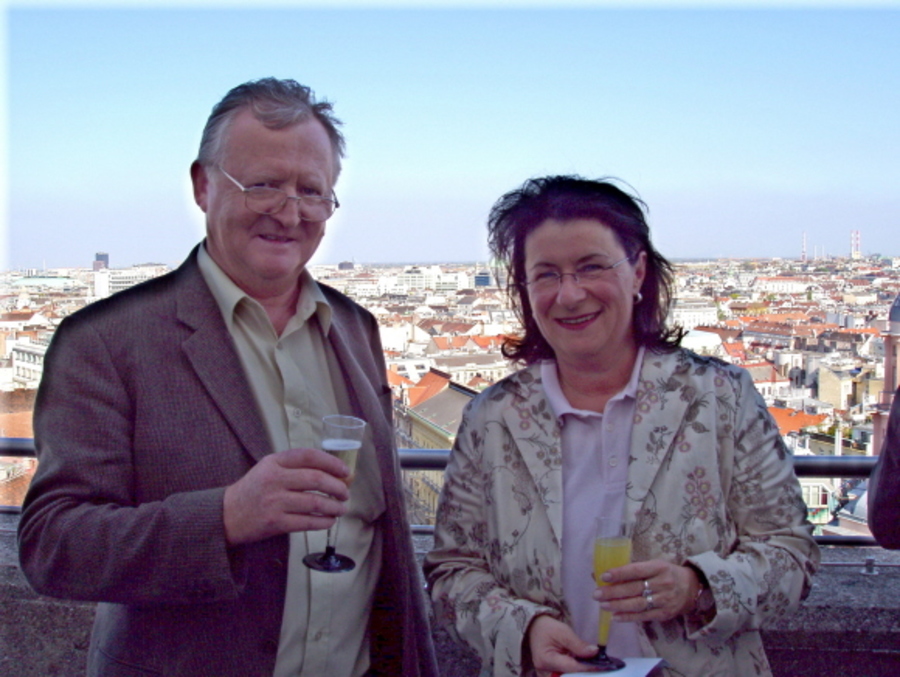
228,295
560,404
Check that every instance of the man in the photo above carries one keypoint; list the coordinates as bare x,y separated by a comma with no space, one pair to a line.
178,423
884,483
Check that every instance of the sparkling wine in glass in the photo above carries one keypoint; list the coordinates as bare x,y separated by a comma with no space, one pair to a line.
342,437
612,548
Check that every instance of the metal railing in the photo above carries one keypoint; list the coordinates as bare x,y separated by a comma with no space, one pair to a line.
436,459
16,446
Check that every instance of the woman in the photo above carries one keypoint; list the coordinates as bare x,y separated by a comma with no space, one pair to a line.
611,418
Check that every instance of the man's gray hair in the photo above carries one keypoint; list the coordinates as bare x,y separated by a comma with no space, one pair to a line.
275,103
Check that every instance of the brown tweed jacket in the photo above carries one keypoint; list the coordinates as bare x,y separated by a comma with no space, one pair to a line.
143,417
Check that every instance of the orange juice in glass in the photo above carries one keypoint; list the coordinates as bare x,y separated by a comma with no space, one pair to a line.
612,548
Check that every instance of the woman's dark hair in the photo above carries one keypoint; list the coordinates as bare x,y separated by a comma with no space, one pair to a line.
563,198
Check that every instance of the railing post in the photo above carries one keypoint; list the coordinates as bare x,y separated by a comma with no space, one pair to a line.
869,569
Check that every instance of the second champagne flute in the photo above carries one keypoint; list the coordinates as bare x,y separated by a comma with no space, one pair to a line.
342,437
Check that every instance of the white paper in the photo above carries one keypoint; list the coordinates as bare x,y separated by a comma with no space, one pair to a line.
634,667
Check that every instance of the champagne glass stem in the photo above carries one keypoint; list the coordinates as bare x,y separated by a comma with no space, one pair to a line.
603,634
333,533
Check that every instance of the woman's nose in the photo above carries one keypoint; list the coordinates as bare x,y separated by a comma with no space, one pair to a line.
570,290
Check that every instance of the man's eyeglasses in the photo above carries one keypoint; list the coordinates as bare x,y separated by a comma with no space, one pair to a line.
265,200
549,281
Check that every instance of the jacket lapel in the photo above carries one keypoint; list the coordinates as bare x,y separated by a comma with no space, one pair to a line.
214,358
358,384
535,431
660,410
354,377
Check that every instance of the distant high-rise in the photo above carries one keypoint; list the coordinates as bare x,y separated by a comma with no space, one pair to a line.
101,261
483,278
855,251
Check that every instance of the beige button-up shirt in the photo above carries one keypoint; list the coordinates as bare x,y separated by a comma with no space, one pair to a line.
296,381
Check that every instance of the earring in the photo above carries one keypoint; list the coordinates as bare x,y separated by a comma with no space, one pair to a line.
638,297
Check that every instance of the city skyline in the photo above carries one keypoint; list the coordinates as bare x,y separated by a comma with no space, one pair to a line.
472,263
791,262
741,129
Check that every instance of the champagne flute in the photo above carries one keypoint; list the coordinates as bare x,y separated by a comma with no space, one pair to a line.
612,548
342,437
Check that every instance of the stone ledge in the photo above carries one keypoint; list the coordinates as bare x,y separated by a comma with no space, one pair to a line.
41,637
849,625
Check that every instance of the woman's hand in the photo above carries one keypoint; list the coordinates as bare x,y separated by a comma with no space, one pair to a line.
555,647
648,591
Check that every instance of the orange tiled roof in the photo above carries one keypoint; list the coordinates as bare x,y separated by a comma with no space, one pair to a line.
441,342
395,379
428,386
487,342
792,420
478,381
762,372
735,350
457,327
785,317
450,342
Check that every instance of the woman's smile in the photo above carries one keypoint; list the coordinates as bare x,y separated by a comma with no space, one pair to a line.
578,321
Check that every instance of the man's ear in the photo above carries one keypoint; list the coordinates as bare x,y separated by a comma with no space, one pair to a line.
200,181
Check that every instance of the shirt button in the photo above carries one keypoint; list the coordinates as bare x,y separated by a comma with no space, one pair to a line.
613,461
318,636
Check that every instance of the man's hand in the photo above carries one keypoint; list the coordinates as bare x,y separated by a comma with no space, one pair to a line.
293,490
556,648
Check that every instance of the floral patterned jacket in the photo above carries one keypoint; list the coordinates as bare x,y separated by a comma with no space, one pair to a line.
709,482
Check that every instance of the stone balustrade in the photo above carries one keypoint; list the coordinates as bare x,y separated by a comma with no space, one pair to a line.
848,627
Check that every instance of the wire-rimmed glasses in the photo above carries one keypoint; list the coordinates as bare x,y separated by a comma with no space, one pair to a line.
267,200
549,281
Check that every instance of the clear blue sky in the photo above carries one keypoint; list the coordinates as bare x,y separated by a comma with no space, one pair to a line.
740,128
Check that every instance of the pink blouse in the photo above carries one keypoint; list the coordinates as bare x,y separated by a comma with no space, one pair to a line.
595,451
